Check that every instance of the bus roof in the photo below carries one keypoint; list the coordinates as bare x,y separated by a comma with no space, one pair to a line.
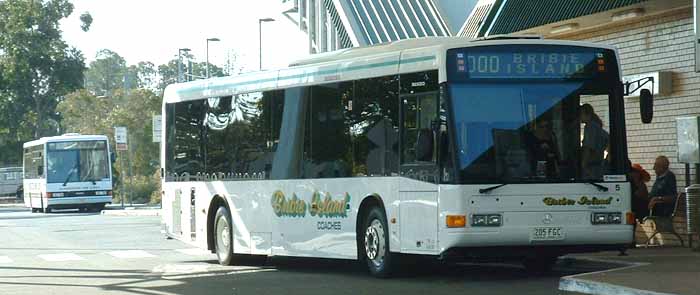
405,56
65,137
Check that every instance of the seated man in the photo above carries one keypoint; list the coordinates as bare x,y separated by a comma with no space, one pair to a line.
663,194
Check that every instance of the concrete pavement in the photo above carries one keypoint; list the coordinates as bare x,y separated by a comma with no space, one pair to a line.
646,271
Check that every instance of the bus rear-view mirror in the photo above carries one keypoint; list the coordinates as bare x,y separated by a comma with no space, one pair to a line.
40,170
646,105
113,157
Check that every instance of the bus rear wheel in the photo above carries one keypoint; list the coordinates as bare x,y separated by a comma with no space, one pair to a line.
375,242
223,238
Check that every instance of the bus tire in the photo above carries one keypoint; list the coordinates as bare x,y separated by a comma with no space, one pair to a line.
540,264
47,210
375,243
223,236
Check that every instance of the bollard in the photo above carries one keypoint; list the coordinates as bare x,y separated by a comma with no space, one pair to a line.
692,199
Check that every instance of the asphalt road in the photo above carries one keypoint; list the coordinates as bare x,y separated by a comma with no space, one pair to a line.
82,253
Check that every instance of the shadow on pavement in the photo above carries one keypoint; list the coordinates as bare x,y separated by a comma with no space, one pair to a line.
291,276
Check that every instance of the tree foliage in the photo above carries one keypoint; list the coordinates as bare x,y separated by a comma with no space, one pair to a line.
168,72
37,68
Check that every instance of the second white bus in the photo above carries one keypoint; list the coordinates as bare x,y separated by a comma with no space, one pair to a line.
67,172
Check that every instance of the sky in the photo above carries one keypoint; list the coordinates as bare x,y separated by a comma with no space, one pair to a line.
153,30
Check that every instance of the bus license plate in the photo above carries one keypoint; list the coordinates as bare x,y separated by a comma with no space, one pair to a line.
547,234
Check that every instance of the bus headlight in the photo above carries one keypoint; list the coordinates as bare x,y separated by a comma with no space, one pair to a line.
55,195
487,220
606,218
101,193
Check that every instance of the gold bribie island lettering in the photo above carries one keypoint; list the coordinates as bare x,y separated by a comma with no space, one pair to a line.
584,200
321,205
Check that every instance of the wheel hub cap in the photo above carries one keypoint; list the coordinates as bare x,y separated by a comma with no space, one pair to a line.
374,242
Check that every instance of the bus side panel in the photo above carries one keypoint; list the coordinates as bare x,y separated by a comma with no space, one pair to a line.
34,189
310,221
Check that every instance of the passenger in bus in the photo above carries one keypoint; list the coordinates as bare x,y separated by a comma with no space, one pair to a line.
664,192
544,151
595,141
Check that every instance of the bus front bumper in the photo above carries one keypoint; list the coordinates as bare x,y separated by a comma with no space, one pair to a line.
78,201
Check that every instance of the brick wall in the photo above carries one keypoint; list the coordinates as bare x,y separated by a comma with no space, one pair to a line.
661,43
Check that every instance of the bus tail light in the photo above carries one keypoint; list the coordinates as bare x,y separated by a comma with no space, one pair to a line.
630,218
49,195
456,221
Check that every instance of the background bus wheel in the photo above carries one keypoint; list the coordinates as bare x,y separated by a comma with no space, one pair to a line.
96,208
47,210
375,241
540,264
34,210
223,236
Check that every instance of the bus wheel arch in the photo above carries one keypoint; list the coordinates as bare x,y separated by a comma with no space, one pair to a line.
216,202
372,231
366,205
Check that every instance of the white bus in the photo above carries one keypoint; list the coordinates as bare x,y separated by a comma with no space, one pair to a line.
445,147
68,171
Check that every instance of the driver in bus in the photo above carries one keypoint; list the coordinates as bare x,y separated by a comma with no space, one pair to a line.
543,148
594,143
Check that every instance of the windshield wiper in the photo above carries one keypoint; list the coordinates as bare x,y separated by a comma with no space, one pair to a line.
75,168
600,187
488,189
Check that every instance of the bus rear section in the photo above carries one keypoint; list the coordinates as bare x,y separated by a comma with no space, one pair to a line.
68,172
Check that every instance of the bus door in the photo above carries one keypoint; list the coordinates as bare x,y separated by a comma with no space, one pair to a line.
420,174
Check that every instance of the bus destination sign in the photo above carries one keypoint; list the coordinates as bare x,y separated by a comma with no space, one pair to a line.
533,65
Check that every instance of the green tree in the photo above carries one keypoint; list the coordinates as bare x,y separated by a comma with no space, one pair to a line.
37,68
168,72
106,74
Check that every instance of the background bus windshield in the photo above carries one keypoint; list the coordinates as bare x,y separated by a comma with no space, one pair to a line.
77,161
523,117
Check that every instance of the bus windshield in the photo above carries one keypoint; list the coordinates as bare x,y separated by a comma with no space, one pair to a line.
77,161
535,113
510,132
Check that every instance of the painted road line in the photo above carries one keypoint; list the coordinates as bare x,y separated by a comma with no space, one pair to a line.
5,259
194,252
128,254
60,257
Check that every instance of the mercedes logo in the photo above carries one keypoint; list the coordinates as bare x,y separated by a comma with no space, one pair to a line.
547,219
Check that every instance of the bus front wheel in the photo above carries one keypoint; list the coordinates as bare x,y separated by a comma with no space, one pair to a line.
375,241
223,236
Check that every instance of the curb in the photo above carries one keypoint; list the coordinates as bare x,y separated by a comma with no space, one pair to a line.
573,284
133,212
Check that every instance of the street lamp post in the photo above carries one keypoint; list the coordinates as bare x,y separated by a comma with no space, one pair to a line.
179,64
207,65
260,21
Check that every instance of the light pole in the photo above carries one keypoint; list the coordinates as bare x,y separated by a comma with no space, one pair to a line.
260,21
207,65
179,64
